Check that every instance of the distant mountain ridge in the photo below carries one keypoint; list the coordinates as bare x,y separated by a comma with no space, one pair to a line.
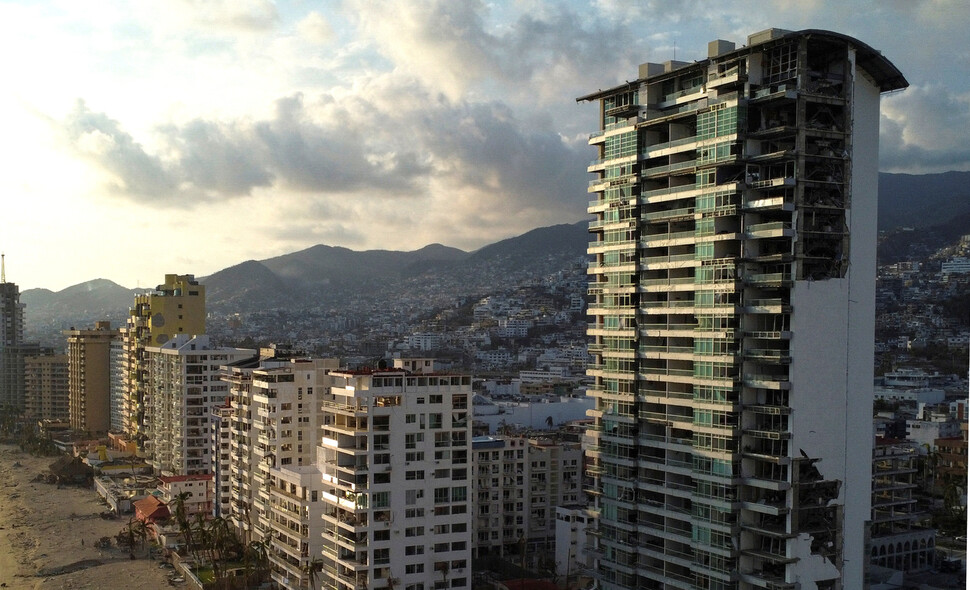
922,200
330,276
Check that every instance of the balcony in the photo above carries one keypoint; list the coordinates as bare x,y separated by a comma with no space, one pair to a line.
776,229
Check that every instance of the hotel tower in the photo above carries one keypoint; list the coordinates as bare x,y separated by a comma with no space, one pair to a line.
731,315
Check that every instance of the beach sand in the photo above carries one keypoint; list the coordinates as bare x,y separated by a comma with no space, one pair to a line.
42,528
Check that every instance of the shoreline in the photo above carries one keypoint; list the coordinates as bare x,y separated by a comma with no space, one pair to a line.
48,534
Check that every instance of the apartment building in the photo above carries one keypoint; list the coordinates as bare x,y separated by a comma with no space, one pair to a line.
244,512
46,387
395,462
732,288
89,378
519,483
194,491
177,306
287,484
183,386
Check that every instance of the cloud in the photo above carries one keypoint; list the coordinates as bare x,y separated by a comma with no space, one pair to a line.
923,129
387,140
128,168
315,28
241,15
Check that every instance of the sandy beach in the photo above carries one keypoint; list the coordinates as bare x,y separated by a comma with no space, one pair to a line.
44,530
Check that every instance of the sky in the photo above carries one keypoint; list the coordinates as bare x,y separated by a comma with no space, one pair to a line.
186,136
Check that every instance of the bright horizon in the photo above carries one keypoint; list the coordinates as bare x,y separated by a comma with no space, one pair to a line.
172,137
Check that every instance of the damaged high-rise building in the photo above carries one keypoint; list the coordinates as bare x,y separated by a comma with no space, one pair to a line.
732,314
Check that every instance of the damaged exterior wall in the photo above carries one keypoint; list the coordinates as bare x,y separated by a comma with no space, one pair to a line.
732,302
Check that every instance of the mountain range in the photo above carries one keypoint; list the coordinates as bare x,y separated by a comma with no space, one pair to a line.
331,277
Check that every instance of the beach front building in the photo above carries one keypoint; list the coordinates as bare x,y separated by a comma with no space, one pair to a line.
395,462
183,386
89,378
238,377
46,387
195,492
732,289
175,307
220,433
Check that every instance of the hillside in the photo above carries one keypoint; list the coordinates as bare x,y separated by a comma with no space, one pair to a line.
924,200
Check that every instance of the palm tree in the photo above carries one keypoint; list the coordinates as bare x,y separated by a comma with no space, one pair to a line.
140,530
181,518
549,422
311,569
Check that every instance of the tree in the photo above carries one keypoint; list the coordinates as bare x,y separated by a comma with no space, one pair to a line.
311,570
549,422
182,519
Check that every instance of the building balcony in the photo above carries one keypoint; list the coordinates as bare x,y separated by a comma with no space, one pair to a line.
777,229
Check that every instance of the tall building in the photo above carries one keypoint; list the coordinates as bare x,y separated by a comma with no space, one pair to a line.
183,387
11,338
732,289
47,388
89,378
175,307
394,455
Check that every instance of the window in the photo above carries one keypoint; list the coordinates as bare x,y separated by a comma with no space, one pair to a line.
440,495
412,475
414,568
459,494
415,531
414,550
382,535
411,497
382,555
412,439
381,499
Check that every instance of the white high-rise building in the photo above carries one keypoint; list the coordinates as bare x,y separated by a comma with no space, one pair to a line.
395,461
732,294
184,385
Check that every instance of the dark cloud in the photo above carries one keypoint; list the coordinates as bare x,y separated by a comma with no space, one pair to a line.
100,139
218,159
203,160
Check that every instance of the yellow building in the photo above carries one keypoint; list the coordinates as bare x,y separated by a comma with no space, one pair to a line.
174,307
89,378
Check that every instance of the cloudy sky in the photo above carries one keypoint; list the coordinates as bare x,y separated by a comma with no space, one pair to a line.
160,136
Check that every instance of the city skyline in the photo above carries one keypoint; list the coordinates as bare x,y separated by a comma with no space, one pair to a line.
196,138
